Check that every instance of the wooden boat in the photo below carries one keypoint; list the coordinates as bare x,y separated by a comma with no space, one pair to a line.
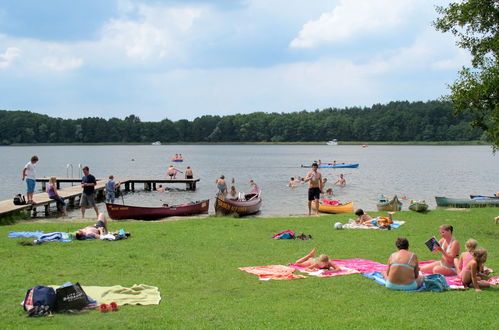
392,205
418,206
483,197
465,203
118,212
249,205
342,208
331,165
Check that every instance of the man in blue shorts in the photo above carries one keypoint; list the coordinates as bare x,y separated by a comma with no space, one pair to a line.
29,173
314,188
87,199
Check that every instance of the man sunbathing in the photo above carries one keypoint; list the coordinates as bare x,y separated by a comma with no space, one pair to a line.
94,231
311,263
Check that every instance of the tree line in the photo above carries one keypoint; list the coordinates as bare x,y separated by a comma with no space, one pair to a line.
392,122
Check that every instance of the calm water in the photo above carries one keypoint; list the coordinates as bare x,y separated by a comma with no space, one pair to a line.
418,172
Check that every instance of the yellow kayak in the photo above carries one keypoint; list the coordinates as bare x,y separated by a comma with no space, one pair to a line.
343,208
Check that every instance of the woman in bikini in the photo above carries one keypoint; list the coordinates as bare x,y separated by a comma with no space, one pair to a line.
449,247
311,263
403,270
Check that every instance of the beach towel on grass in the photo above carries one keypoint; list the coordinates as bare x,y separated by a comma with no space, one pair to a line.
34,234
138,294
361,265
272,272
353,225
324,272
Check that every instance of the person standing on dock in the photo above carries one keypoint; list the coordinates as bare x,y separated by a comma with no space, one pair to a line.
314,188
87,199
29,173
172,172
188,173
111,189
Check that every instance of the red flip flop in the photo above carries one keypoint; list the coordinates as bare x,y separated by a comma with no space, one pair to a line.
103,308
113,306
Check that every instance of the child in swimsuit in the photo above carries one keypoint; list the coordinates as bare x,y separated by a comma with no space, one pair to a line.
467,256
469,275
311,263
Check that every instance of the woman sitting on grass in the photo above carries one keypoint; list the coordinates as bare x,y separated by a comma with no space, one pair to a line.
403,270
469,275
363,218
449,247
311,263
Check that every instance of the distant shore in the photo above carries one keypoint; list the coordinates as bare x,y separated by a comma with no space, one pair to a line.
261,143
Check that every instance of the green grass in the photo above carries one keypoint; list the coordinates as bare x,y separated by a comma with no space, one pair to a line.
195,265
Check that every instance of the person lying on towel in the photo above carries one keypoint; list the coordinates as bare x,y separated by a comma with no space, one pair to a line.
94,231
311,263
403,269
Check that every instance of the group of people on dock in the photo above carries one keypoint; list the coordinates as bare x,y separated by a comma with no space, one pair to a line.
172,172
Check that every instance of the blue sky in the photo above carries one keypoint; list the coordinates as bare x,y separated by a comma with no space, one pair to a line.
184,59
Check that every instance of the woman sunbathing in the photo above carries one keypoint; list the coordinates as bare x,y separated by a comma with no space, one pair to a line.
403,270
311,263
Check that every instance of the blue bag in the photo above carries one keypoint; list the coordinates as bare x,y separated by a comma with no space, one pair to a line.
39,296
436,283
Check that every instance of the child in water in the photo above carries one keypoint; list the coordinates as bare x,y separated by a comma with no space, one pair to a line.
469,275
311,263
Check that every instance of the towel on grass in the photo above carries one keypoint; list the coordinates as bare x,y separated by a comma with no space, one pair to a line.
272,272
324,272
361,265
353,225
34,234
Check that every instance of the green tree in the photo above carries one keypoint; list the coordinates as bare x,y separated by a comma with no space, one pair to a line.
475,23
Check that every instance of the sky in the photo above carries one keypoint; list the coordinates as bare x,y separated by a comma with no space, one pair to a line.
183,59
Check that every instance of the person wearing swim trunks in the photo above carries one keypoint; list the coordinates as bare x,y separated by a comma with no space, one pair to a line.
221,185
449,247
314,188
403,270
188,173
94,231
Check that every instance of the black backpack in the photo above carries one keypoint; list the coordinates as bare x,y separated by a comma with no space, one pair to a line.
19,200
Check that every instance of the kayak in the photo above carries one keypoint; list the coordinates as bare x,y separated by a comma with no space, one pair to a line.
334,166
464,202
340,208
418,206
118,212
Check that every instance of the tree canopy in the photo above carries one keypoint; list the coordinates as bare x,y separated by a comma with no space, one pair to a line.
475,23
395,121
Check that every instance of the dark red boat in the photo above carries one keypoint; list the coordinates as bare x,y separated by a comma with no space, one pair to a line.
250,204
118,212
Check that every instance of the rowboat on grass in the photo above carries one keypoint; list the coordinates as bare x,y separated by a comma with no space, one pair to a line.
246,205
331,165
418,206
118,212
392,205
465,203
339,208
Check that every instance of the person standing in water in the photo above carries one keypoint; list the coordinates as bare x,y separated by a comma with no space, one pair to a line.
314,188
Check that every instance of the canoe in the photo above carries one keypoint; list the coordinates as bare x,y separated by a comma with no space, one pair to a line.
483,197
334,166
118,212
418,206
343,208
392,205
225,205
465,203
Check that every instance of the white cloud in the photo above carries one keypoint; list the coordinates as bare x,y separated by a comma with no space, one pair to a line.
61,64
351,18
8,57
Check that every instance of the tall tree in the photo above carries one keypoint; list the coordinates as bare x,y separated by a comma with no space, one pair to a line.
475,23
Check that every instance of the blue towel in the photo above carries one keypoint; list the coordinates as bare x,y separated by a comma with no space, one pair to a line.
378,278
34,234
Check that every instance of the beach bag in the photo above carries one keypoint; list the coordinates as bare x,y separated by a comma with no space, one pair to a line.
71,297
39,296
436,283
19,200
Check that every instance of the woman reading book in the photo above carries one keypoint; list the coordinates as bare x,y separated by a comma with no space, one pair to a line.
448,246
403,270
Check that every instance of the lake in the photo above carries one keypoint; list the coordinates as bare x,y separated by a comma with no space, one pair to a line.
417,172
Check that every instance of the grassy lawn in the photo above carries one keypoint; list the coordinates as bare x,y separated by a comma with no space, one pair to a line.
194,263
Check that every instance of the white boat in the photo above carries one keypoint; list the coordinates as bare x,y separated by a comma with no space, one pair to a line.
333,142
157,143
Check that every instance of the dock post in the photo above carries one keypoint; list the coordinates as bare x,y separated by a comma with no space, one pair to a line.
147,186
154,185
58,185
44,186
71,201
47,209
127,186
133,186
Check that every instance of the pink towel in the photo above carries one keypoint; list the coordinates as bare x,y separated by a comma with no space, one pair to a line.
362,265
272,272
325,273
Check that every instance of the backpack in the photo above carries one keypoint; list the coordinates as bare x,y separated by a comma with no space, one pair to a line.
436,283
39,296
19,200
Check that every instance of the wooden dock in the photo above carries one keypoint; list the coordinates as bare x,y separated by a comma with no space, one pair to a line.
72,194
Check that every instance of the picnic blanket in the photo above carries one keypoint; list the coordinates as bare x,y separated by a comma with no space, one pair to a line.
34,234
138,294
352,225
272,272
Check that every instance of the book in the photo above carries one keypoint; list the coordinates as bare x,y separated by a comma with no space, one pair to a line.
431,243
